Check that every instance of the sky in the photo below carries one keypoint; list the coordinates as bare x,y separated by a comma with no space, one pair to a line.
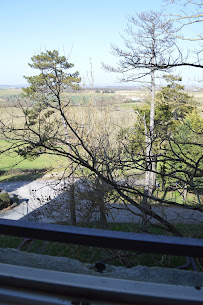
82,30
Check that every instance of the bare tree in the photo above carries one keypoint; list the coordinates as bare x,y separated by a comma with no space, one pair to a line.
148,44
190,12
189,15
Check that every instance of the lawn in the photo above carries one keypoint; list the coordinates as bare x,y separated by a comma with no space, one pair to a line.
14,167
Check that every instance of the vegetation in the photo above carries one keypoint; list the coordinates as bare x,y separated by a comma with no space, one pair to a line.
5,201
175,114
96,149
157,141
161,142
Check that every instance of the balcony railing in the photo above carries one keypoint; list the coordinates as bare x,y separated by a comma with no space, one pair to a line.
22,285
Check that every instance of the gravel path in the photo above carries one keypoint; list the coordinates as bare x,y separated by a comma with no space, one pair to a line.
44,201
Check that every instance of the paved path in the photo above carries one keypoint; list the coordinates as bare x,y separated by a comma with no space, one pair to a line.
33,196
45,201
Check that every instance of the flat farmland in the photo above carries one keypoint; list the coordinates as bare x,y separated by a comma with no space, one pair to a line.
198,97
101,110
101,97
10,92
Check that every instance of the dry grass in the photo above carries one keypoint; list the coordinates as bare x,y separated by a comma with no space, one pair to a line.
136,93
10,91
97,114
198,96
98,110
95,123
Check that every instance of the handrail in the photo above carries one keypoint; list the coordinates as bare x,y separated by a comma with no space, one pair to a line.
23,285
146,243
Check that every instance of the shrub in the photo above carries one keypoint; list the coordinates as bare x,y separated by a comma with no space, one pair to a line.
5,201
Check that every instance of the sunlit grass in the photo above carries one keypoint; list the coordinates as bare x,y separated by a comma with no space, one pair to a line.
15,167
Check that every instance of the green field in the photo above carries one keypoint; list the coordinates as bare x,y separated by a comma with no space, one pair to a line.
11,161
14,167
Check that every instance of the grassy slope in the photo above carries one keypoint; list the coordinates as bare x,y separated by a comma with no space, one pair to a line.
14,167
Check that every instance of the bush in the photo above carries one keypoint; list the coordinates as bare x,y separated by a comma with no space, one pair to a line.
108,91
5,201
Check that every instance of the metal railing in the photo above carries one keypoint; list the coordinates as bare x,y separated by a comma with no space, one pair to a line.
39,286
22,285
145,243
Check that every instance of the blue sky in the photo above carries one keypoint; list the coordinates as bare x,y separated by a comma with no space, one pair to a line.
81,29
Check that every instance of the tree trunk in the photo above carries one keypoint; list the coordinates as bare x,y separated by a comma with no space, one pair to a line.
150,178
100,193
72,201
151,128
102,212
185,193
72,183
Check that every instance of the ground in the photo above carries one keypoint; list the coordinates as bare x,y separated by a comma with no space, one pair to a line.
45,201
